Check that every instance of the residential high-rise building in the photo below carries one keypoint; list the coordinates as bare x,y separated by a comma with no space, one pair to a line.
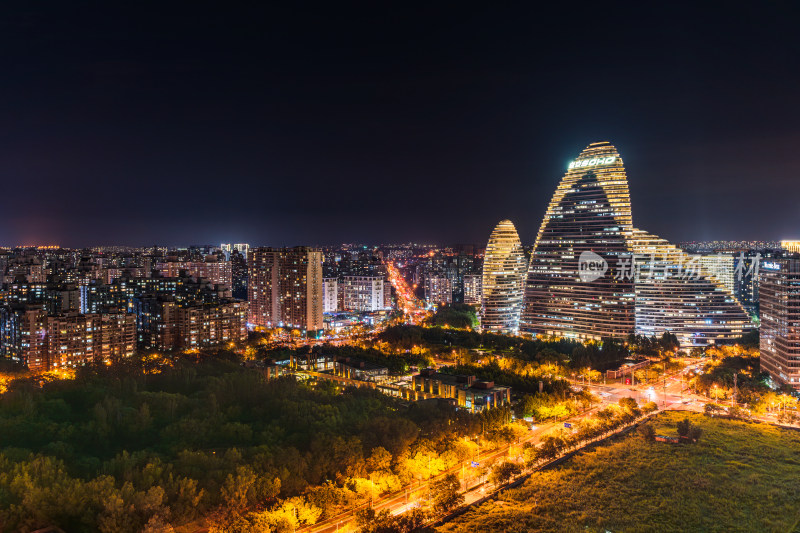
593,275
23,335
503,281
239,274
472,289
330,295
438,290
76,339
228,249
42,342
285,288
779,300
200,326
212,270
362,293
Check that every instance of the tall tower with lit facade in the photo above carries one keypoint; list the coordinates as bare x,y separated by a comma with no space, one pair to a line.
588,218
779,288
285,288
503,282
593,275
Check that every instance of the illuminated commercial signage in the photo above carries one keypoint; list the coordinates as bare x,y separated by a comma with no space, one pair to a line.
771,265
594,162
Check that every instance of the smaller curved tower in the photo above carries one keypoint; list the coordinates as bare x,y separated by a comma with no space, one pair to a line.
504,273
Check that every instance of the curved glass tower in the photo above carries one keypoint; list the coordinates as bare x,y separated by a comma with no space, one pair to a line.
504,269
593,275
587,218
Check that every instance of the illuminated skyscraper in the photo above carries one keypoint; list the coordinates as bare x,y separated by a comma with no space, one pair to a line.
721,266
503,282
589,214
779,288
676,292
285,288
791,246
594,275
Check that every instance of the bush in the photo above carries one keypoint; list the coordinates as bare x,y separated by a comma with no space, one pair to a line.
688,431
683,427
647,432
649,407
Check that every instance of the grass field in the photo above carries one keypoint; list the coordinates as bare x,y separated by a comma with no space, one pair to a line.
739,477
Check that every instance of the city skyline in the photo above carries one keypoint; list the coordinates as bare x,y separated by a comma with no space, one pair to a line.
279,127
339,268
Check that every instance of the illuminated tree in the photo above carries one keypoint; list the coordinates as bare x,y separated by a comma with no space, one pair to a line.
445,493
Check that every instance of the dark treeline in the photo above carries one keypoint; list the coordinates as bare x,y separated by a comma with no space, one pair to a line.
575,354
396,363
137,446
461,316
518,382
530,349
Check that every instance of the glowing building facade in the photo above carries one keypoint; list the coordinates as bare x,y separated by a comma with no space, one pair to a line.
503,282
779,287
593,275
588,218
676,292
285,288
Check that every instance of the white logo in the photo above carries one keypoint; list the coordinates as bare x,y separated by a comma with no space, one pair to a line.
593,162
591,266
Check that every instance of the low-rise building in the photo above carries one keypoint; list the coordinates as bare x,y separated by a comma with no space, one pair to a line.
353,368
469,392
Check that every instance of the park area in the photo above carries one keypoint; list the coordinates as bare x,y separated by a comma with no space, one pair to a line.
739,476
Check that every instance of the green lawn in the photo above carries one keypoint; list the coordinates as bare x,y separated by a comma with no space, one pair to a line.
739,477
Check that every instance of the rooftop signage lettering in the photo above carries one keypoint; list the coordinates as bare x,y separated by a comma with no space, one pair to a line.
594,162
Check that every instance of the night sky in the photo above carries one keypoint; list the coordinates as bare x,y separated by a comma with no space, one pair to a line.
323,123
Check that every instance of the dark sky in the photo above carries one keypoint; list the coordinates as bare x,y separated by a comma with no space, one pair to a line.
323,123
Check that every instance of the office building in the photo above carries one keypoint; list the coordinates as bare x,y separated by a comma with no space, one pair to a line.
676,294
587,217
503,281
791,246
593,274
228,249
779,296
720,266
239,274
